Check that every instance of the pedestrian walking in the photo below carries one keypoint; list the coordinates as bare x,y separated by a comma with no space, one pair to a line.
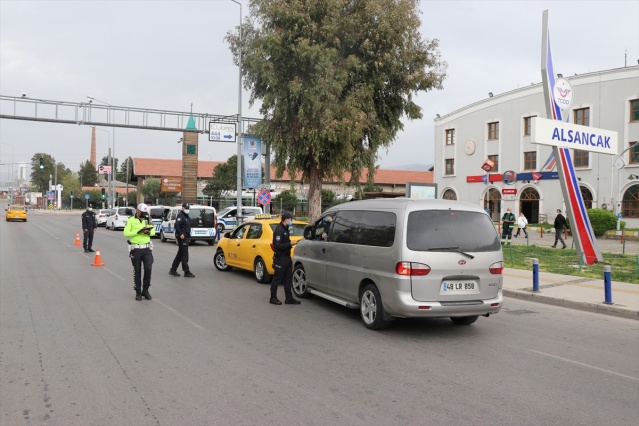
522,223
560,222
282,262
182,238
139,232
89,226
508,221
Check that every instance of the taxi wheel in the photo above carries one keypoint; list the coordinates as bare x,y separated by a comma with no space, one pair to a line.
299,282
261,273
220,261
162,237
371,308
464,320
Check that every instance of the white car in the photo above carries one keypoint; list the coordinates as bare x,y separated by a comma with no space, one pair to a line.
101,216
227,220
117,219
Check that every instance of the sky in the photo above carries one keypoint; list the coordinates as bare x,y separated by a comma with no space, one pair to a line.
171,55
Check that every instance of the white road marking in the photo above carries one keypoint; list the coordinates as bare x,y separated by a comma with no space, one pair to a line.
586,365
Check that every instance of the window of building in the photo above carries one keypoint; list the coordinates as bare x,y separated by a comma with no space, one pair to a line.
528,125
634,153
450,166
634,110
450,137
494,159
582,116
530,160
493,131
581,158
449,194
630,202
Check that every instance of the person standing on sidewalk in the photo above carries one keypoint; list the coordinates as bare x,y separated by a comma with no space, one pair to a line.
560,222
522,222
282,262
182,238
508,221
89,225
139,232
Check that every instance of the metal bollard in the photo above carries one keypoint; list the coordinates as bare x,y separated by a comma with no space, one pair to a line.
535,275
607,285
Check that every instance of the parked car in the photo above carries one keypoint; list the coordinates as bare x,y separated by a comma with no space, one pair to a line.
403,258
203,220
227,220
101,216
248,247
16,213
156,215
118,217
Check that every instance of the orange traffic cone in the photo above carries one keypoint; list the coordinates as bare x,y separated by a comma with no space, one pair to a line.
77,239
98,259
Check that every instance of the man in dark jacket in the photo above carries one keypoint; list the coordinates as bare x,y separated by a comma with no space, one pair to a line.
508,221
182,237
89,225
560,222
282,262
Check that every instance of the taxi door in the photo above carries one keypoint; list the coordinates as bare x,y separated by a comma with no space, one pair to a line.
237,248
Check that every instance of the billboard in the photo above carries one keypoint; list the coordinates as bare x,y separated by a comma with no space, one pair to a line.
252,161
171,184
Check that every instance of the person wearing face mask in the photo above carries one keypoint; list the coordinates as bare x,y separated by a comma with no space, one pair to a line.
89,225
282,262
139,232
508,221
182,237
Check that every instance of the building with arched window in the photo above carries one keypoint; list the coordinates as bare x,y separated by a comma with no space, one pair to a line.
497,132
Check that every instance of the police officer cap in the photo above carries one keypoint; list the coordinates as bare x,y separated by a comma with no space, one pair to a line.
143,208
90,205
287,215
185,205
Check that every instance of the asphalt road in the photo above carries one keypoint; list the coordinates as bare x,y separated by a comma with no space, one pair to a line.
77,349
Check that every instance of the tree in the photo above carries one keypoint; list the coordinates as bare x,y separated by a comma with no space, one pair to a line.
88,175
334,79
40,177
224,178
286,200
151,189
123,170
328,198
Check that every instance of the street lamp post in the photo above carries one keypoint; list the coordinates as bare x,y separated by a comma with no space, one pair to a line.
111,190
11,169
239,125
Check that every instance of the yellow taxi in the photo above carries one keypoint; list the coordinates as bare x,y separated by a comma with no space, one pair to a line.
16,213
248,247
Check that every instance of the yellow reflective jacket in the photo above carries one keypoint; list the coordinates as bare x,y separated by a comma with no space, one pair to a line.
135,225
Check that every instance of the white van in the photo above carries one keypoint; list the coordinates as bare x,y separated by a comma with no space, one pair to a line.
403,258
203,220
156,215
227,221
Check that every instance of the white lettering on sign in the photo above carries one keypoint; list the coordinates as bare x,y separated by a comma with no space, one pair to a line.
574,136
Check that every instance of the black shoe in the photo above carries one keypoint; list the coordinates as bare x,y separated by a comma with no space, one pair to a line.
291,301
86,251
138,296
274,301
91,251
146,294
188,275
555,246
175,274
564,246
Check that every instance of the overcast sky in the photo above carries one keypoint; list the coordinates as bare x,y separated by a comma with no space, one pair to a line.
171,54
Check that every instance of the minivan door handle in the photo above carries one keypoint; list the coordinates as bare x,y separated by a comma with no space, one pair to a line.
323,250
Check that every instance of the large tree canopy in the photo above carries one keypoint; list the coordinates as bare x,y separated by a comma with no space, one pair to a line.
334,78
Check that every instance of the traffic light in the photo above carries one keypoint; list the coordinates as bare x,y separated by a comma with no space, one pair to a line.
103,193
41,163
71,195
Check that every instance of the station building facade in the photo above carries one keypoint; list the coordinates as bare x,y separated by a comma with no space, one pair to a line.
523,176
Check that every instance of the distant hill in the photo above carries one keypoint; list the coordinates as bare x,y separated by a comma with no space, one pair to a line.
418,167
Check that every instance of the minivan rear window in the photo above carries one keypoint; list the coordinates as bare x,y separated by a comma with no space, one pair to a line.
202,218
451,229
156,213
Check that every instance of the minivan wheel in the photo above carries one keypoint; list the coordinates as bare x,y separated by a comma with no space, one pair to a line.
464,320
300,288
261,273
371,309
220,261
162,237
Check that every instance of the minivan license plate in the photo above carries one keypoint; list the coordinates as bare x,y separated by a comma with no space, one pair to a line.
459,287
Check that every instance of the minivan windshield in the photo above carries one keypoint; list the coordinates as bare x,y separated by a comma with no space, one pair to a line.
451,230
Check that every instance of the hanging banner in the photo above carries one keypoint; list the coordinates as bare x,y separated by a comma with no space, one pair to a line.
252,161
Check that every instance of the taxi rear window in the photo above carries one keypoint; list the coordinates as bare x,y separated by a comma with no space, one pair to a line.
16,208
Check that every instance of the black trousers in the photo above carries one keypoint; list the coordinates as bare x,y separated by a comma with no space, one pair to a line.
506,232
283,275
88,239
558,236
182,256
141,257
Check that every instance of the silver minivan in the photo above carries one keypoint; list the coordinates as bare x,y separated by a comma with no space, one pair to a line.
403,258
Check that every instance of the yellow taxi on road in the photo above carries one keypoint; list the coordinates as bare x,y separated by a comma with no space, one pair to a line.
249,246
16,213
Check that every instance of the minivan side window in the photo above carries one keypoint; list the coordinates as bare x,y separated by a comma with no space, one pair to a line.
367,228
440,230
345,227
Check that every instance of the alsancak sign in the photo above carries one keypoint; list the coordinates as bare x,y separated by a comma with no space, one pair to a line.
573,136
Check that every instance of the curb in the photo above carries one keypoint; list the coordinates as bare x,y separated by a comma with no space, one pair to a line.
599,308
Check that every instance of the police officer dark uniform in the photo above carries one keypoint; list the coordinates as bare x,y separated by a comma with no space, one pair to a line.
139,232
182,237
89,225
282,262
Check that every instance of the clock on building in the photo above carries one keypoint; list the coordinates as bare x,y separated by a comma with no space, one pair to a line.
469,148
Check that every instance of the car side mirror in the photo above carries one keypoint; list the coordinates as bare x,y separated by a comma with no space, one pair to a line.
308,233
227,235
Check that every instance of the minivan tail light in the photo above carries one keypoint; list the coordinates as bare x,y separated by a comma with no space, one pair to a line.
412,268
496,268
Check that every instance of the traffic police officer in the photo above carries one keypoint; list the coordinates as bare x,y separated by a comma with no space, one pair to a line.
282,262
89,225
139,232
182,237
